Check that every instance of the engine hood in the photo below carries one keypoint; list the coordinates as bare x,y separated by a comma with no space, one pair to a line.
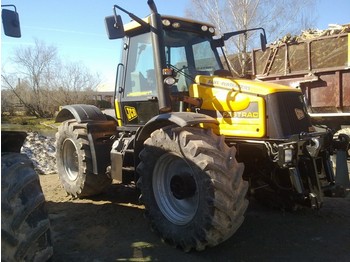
243,85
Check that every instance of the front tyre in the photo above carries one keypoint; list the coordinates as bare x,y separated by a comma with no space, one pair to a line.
25,226
74,161
192,187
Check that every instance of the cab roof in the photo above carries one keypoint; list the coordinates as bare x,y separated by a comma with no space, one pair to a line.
134,28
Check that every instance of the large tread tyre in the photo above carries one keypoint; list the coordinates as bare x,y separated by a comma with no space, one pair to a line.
25,227
192,187
74,161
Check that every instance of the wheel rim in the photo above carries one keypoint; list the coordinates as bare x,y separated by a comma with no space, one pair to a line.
175,189
70,159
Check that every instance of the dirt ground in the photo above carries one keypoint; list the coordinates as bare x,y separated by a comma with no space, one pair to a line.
111,227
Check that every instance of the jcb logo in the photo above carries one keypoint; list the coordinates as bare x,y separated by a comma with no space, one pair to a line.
130,112
299,113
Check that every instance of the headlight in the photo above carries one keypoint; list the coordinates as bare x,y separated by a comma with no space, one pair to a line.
169,80
176,25
166,22
314,147
204,28
286,154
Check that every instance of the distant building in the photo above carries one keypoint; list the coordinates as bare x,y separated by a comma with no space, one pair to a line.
104,93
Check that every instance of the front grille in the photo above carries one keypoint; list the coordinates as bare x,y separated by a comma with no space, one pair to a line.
286,115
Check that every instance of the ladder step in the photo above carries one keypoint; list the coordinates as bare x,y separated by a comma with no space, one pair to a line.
128,168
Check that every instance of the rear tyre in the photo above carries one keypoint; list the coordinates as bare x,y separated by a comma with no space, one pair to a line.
25,227
74,162
192,187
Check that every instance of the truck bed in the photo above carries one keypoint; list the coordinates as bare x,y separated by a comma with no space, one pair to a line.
319,65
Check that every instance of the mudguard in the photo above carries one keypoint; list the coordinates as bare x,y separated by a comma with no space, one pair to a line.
181,119
82,113
100,129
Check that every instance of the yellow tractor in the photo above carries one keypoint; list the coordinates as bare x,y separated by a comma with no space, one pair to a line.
191,137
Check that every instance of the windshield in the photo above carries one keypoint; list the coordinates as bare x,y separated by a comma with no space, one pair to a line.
190,54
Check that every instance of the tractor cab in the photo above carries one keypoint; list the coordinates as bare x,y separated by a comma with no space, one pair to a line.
162,56
145,73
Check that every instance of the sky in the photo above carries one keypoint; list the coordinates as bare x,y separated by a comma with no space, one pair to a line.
77,28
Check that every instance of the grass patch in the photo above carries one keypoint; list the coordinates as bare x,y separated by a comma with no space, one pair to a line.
31,121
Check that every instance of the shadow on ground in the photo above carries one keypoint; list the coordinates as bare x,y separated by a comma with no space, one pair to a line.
111,227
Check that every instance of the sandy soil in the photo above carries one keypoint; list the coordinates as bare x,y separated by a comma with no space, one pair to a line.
111,227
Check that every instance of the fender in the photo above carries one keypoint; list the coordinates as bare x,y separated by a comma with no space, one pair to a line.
100,129
181,119
82,113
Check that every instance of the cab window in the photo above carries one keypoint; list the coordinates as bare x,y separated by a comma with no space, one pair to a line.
140,74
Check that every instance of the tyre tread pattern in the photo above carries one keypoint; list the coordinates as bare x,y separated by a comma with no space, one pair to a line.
87,184
25,227
224,208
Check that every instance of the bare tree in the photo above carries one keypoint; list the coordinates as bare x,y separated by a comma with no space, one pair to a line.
75,84
278,17
33,65
8,102
21,94
42,82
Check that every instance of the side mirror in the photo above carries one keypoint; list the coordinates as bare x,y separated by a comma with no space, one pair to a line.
263,41
219,42
10,22
114,27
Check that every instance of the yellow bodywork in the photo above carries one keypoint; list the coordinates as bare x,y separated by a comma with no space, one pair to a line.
135,25
117,112
239,104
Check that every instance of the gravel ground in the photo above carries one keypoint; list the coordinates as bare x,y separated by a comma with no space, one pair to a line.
41,150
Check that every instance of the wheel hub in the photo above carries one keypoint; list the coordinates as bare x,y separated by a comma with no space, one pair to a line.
70,159
175,188
183,186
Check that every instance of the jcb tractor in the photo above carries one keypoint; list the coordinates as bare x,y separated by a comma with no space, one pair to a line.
191,137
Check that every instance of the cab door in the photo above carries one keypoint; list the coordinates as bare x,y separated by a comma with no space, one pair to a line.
136,98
